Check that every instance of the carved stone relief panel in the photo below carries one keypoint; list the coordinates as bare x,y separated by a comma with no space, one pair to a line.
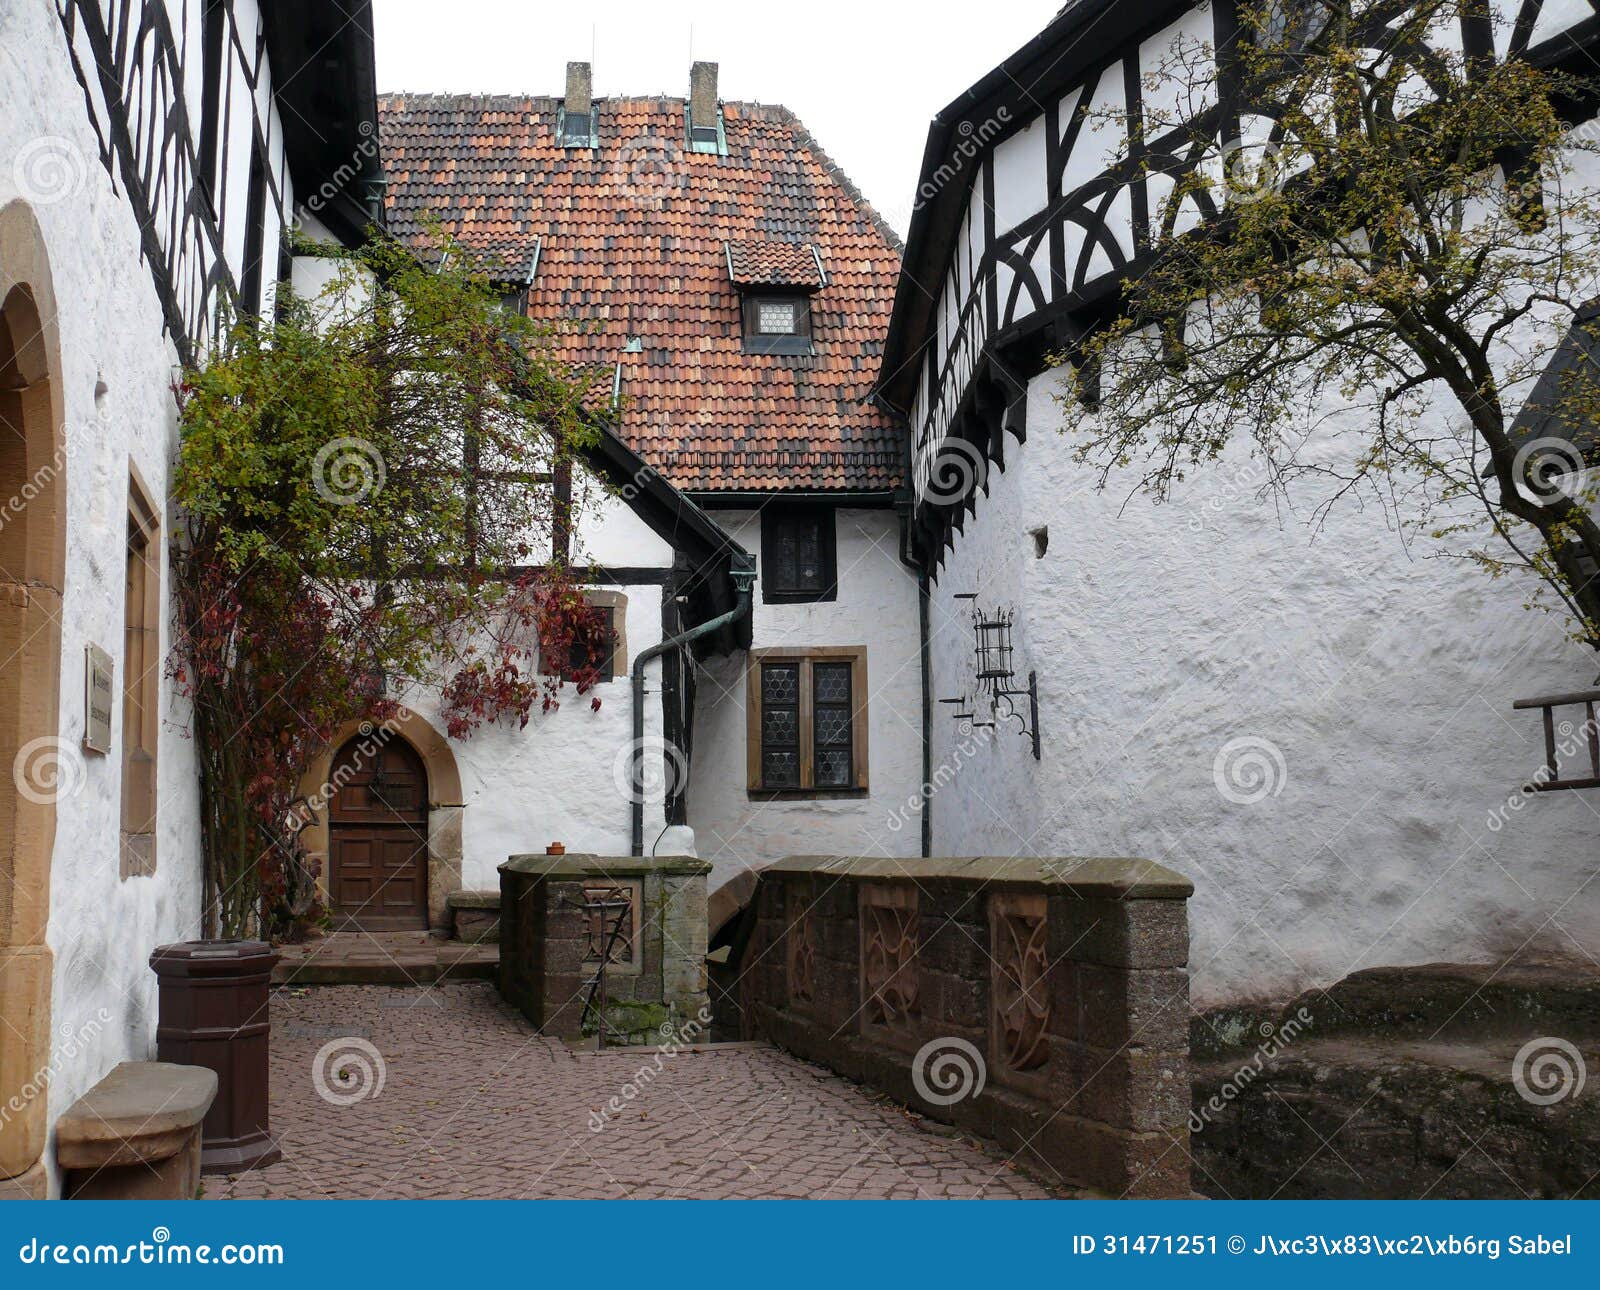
1019,990
801,945
888,956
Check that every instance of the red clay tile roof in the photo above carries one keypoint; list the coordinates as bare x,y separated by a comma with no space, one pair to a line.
633,245
507,262
775,264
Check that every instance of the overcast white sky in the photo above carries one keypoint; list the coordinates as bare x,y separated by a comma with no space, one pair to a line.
865,76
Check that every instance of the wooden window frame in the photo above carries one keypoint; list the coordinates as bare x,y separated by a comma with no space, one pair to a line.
774,515
757,341
856,656
141,682
617,603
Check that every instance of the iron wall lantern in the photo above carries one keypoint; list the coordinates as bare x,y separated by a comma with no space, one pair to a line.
996,675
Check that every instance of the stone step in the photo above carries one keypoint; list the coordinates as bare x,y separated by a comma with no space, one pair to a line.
427,966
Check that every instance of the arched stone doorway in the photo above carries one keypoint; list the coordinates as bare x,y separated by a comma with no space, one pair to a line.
35,762
443,796
378,836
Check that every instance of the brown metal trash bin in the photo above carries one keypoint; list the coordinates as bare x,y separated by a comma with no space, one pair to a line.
213,1013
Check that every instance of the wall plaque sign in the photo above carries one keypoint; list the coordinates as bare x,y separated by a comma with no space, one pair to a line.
97,696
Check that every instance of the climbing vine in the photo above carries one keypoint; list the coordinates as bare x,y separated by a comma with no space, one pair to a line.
366,484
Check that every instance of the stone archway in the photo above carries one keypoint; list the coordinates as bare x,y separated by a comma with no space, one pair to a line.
445,808
36,764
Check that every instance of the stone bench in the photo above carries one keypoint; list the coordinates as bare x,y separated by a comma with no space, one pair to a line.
474,916
136,1134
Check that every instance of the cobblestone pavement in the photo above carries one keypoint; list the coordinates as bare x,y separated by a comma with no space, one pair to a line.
474,1103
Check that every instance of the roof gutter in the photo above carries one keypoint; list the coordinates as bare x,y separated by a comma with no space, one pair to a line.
757,498
743,573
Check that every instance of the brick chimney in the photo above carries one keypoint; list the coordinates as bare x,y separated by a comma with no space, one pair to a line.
580,89
703,94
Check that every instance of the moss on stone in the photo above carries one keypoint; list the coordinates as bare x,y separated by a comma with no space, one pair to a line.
634,1022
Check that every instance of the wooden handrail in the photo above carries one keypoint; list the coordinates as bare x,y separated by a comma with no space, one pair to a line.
1560,700
1551,780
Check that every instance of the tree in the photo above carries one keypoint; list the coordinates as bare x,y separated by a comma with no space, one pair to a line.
365,481
1397,233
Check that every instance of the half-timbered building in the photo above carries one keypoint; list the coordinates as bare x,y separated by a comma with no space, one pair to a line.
1319,732
153,155
733,288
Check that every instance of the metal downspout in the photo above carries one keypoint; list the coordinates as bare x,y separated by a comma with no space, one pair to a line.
924,599
743,580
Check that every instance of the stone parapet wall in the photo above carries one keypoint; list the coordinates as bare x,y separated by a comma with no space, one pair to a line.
551,934
1043,1003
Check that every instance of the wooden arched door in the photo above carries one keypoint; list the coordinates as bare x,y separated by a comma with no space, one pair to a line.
378,836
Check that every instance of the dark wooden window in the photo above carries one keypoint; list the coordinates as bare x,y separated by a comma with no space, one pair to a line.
780,725
806,721
832,717
777,323
581,659
799,555
610,661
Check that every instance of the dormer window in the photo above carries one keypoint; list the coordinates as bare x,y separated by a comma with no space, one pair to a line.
576,128
511,264
776,281
777,324
575,119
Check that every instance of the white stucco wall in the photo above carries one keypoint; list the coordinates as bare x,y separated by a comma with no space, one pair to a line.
608,531
101,928
1380,679
1371,681
876,607
314,277
565,777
